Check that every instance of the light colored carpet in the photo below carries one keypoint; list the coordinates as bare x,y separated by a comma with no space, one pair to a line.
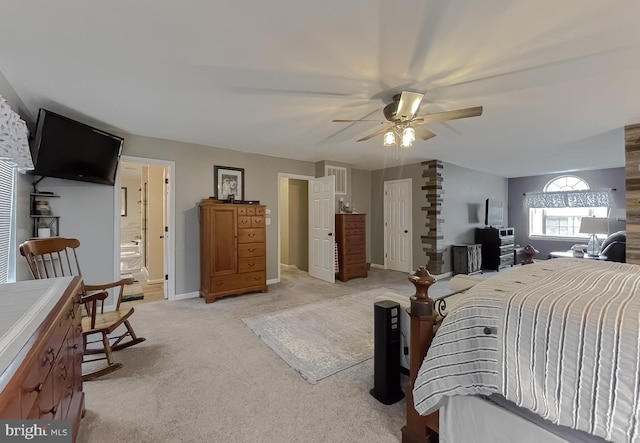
204,376
321,339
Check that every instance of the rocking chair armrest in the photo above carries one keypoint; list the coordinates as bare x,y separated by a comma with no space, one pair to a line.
98,296
122,282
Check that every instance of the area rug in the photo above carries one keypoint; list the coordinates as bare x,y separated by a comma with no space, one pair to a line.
323,338
132,292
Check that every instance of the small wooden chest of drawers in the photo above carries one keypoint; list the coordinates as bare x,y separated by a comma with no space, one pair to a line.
352,248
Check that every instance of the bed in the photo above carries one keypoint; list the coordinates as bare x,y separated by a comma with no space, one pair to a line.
547,352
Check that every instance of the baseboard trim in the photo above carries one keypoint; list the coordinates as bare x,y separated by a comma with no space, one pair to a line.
377,266
186,296
273,281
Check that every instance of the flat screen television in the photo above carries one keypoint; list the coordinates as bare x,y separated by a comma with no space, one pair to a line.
493,212
65,148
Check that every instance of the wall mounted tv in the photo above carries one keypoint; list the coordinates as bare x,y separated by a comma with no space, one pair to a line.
493,212
65,148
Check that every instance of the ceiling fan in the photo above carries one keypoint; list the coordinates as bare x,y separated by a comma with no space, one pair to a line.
403,123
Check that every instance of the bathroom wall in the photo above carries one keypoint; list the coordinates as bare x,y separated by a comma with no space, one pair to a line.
131,223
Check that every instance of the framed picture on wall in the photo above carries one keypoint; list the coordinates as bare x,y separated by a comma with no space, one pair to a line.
228,183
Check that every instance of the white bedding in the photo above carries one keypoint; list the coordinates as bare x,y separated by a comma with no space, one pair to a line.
556,337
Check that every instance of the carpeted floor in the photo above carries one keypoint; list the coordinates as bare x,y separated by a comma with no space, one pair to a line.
323,338
204,376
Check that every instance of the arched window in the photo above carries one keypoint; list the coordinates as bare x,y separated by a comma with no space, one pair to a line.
562,222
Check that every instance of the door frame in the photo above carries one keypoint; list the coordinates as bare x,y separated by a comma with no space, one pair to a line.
170,245
384,215
296,177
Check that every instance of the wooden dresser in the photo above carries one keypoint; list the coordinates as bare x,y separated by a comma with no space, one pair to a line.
352,247
232,249
41,351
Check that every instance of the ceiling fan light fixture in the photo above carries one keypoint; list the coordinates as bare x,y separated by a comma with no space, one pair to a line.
408,137
389,138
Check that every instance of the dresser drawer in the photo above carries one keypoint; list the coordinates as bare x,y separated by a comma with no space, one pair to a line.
351,241
244,221
250,210
10,407
354,258
506,260
251,264
351,223
257,221
238,281
356,270
251,250
251,235
355,232
357,247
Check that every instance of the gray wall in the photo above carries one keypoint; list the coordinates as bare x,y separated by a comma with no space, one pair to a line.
361,196
519,214
465,192
414,172
194,181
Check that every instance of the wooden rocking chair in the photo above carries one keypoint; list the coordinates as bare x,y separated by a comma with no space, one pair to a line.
56,257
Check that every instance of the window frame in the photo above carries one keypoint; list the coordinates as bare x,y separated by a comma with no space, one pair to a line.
571,182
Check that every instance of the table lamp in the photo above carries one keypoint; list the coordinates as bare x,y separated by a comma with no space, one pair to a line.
593,226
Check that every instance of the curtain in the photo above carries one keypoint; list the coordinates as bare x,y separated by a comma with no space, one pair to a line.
590,198
14,136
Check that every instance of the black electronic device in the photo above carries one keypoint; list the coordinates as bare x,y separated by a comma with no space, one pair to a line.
65,148
493,212
386,352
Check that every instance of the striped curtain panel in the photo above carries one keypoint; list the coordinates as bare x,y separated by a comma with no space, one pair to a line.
7,184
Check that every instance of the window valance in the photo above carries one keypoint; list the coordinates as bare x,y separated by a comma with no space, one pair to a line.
14,138
589,198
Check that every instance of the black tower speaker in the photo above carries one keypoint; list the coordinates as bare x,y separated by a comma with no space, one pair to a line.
386,352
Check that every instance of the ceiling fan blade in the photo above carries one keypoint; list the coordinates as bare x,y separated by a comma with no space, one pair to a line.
422,132
374,134
449,115
408,105
355,121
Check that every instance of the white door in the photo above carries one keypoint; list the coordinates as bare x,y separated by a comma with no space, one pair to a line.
322,204
397,225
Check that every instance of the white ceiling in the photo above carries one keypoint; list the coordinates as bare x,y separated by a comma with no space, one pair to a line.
558,79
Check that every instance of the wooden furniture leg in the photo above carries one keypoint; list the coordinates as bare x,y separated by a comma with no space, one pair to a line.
420,429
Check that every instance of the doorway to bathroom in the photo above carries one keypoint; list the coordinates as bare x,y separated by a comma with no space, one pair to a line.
145,235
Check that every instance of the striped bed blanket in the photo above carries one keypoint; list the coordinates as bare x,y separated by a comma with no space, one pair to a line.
560,338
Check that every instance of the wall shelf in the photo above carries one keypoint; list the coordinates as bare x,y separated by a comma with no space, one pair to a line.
44,220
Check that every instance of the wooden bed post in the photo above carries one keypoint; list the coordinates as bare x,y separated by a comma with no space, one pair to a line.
420,429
